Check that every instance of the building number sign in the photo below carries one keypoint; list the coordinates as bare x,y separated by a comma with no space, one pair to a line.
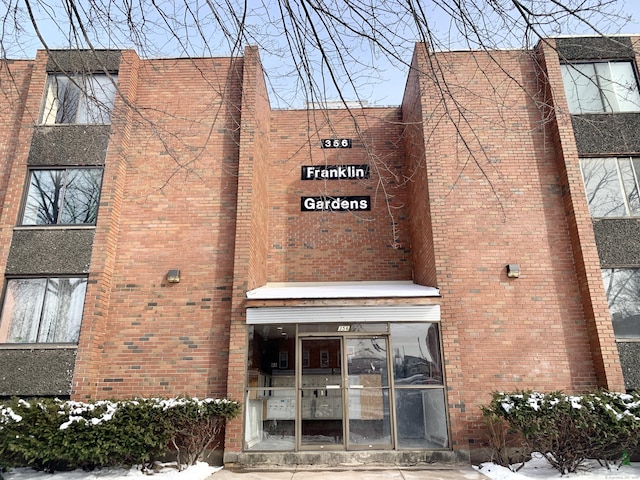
335,143
337,172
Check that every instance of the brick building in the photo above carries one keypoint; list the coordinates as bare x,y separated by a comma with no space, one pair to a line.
361,279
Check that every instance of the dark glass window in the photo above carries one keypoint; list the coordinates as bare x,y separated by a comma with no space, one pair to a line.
623,293
63,196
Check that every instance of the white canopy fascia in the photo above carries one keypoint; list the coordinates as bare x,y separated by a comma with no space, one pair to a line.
337,314
310,290
351,314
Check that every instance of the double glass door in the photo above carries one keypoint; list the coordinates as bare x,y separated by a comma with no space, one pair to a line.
343,393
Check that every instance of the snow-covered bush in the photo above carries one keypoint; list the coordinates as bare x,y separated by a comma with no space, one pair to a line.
52,434
195,426
568,429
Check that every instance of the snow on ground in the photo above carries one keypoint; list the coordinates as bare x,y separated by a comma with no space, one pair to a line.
535,469
200,471
539,469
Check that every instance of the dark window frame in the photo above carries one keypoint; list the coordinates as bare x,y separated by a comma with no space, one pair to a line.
52,207
87,98
46,322
608,96
612,186
623,300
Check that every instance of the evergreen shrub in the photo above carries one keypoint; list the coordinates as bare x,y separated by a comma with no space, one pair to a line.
568,429
51,434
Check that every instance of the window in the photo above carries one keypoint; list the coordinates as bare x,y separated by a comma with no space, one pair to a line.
601,87
623,293
42,310
611,185
419,386
63,196
79,99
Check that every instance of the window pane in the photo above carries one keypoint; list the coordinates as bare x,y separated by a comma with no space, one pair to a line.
97,102
62,313
601,87
266,344
81,196
607,87
623,293
367,361
79,99
603,187
63,196
625,85
44,198
630,185
21,311
269,420
66,95
369,420
634,197
42,310
581,88
421,418
416,354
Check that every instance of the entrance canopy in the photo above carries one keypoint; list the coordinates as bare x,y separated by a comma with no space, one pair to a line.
301,290
405,311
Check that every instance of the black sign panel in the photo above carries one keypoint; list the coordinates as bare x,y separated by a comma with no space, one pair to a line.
335,143
335,172
335,204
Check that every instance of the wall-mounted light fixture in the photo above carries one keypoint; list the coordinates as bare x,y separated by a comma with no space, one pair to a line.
173,276
513,270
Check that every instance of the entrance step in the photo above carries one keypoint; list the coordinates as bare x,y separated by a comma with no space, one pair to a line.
352,473
441,458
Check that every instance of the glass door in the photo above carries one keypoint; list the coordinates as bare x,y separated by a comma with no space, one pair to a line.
369,421
321,394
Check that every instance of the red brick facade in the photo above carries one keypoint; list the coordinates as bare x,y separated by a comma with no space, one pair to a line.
202,176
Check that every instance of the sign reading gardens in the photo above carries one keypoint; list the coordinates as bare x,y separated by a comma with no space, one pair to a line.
335,172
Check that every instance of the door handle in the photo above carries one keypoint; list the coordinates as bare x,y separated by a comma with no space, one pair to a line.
332,387
356,386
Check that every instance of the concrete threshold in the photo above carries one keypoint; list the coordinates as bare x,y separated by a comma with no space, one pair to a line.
397,458
361,472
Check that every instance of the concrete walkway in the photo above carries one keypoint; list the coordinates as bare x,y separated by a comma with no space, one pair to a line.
349,473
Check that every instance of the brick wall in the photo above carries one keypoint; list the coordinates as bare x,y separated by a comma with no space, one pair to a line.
21,88
251,225
496,198
15,77
168,202
585,254
421,232
338,246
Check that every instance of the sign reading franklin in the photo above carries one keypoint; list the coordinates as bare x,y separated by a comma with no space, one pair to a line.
335,172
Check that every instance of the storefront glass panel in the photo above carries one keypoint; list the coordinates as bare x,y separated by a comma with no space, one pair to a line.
416,354
270,409
270,419
344,387
321,393
368,392
421,417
